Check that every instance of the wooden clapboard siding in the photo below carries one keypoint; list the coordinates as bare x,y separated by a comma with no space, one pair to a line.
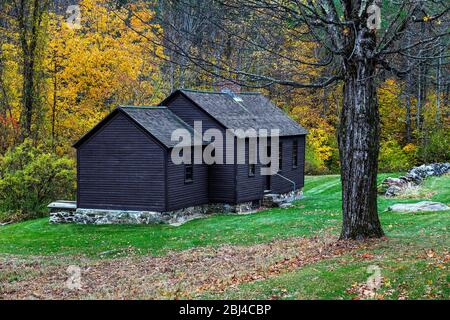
279,184
251,187
181,194
125,161
248,188
121,167
189,113
221,177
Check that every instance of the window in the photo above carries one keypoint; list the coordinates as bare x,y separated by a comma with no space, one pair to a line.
251,169
295,154
189,173
189,170
280,156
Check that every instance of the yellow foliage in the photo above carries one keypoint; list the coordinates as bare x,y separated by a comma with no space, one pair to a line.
410,148
103,64
318,139
392,111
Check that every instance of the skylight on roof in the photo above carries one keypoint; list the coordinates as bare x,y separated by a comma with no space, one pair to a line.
232,94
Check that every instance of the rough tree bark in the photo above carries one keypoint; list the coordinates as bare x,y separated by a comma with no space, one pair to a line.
359,142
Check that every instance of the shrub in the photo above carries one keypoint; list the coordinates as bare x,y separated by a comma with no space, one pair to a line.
313,164
333,162
395,158
317,151
30,178
434,146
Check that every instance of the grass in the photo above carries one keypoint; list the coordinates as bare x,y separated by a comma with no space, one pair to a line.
410,277
413,260
320,210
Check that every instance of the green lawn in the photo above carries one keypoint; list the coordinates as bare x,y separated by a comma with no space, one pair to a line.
320,210
413,261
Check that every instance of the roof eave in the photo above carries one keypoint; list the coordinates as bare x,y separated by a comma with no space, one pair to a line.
102,122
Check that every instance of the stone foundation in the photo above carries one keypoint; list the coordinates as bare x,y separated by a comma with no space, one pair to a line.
62,214
274,200
176,217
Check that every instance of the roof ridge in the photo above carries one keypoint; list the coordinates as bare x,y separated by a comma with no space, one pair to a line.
170,113
176,117
143,107
219,92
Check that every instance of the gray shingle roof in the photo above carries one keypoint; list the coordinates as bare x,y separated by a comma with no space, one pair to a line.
249,110
160,122
243,111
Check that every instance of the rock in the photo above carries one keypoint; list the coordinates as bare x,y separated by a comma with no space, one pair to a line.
276,200
391,186
394,186
270,200
433,169
395,181
286,205
419,206
393,191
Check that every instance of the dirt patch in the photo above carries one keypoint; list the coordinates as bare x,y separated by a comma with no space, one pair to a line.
183,274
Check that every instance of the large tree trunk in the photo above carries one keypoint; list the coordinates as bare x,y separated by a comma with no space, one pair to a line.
30,16
358,148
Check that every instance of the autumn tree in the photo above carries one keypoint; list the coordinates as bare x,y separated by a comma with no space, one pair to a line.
30,18
92,69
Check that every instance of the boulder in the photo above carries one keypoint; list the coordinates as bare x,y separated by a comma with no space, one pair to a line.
419,206
393,191
276,200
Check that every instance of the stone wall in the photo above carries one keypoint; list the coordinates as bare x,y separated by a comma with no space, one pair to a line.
392,187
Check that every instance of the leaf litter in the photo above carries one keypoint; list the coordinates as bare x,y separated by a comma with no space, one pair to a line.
177,275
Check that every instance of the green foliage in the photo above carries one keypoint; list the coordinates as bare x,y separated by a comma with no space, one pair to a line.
322,155
332,163
30,178
435,146
393,157
313,164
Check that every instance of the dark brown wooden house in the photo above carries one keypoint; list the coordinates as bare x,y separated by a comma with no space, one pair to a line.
124,162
